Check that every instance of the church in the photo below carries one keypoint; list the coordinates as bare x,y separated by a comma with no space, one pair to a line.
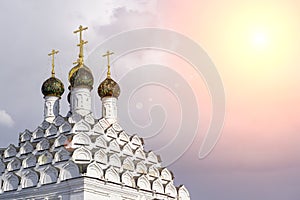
78,156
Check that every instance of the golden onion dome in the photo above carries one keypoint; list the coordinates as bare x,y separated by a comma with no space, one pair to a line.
109,88
81,76
53,87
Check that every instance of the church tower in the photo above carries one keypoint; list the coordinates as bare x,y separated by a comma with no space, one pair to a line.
79,156
109,91
81,82
52,89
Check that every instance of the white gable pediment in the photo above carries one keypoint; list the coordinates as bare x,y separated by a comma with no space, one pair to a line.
141,167
10,151
101,157
89,119
128,164
101,142
61,155
38,133
183,193
44,125
81,139
158,186
166,174
10,182
139,153
65,128
170,189
29,161
81,126
29,179
59,120
153,171
114,146
143,183
45,158
112,175
117,127
82,155
68,171
49,175
25,136
60,141
114,160
98,129
50,131
111,133
127,150
127,179
104,123
95,170
26,148
43,145
151,157
14,164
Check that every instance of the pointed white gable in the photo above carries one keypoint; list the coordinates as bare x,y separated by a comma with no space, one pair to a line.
26,148
157,186
29,161
183,193
49,175
68,171
82,155
61,155
127,179
10,181
51,130
43,145
170,189
112,175
81,126
29,179
114,160
101,142
65,127
128,164
81,139
101,157
45,158
10,151
25,136
143,183
95,170
14,164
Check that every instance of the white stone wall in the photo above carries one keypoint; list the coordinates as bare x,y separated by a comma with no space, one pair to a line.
51,108
109,109
81,101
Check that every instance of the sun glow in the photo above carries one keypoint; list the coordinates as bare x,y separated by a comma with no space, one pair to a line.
259,39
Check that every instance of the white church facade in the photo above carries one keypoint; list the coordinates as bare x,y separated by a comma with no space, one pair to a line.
78,156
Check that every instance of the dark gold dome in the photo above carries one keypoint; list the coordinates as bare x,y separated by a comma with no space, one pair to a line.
109,88
53,87
81,76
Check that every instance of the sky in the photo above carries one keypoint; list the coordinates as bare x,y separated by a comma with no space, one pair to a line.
253,46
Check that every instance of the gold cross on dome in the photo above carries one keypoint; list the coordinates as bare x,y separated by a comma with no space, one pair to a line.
108,53
81,42
53,52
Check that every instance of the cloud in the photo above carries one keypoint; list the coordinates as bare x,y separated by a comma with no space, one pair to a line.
6,119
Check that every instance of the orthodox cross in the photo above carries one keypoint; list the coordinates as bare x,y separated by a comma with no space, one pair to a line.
108,53
53,52
81,43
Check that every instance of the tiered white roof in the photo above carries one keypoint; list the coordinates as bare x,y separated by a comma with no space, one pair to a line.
77,146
